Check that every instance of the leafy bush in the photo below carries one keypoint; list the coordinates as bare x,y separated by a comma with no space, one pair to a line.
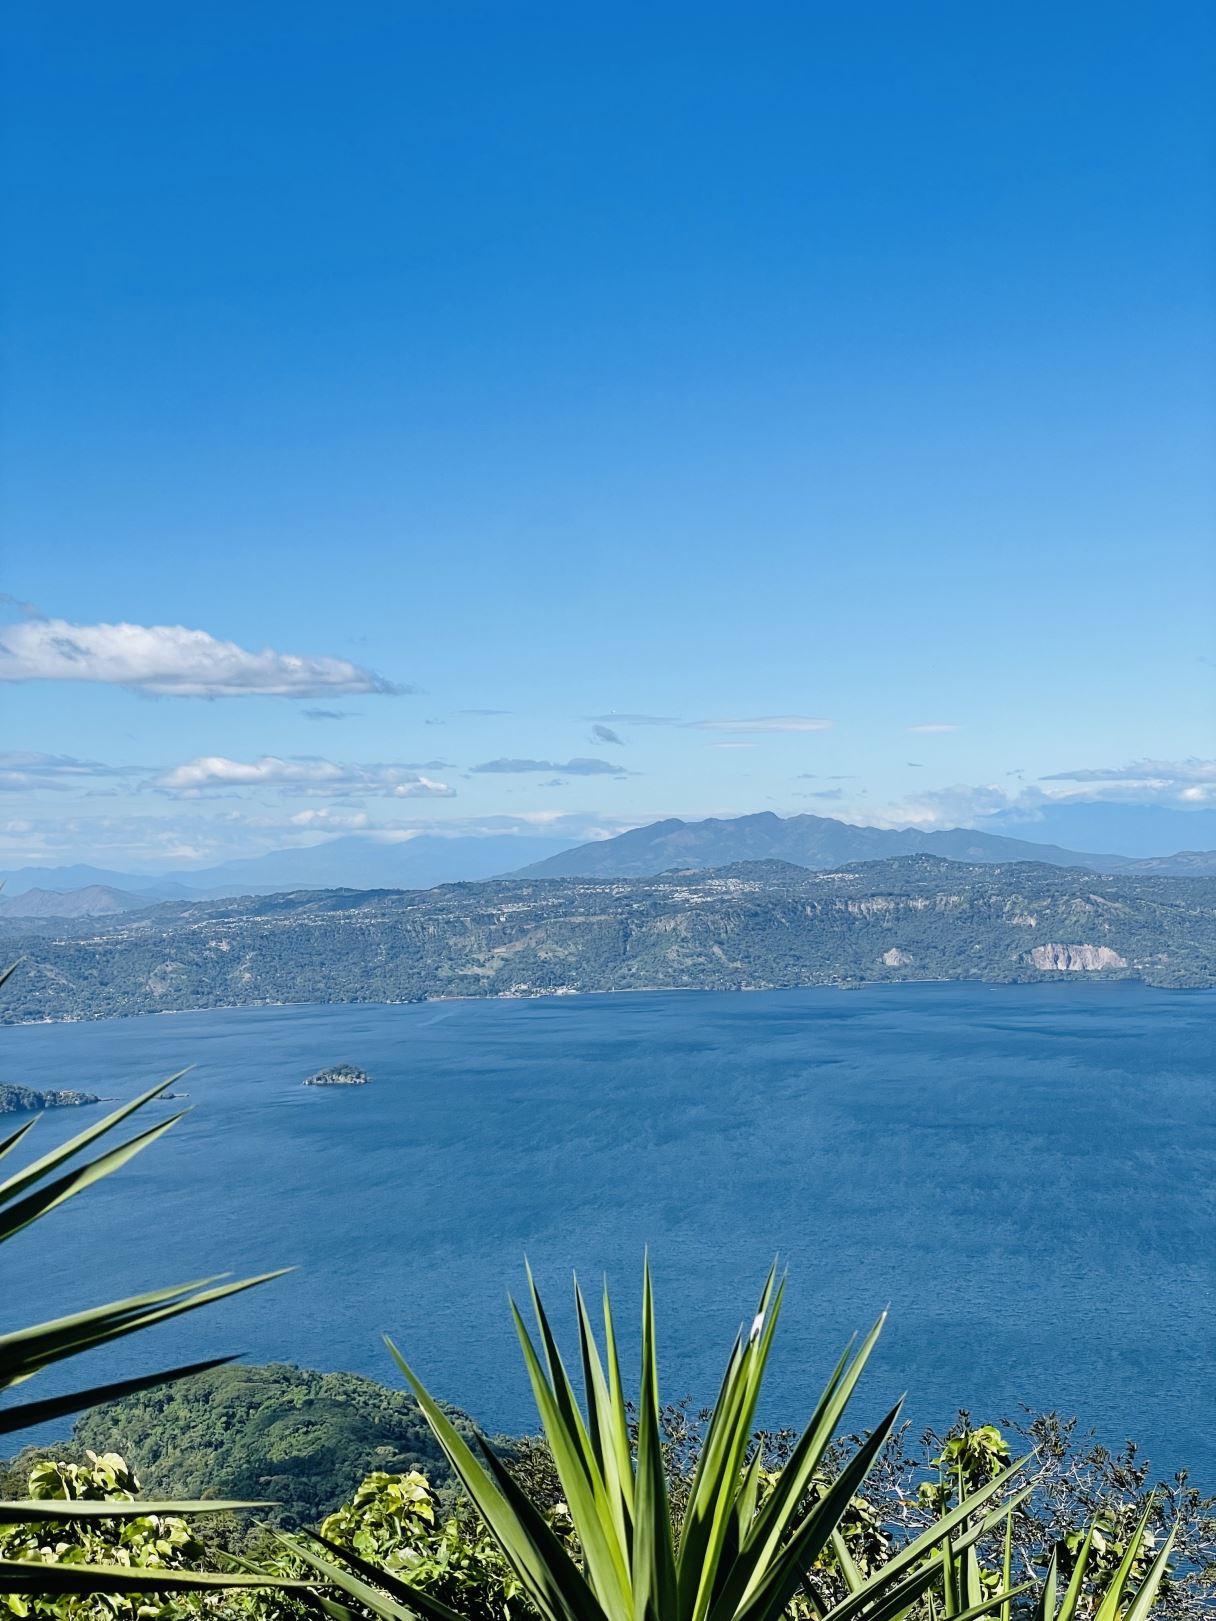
143,1542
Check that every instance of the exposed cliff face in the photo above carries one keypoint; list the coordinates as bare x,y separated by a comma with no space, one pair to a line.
895,958
1073,959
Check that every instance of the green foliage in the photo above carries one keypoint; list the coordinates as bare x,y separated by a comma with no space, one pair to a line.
145,1542
291,1434
394,1522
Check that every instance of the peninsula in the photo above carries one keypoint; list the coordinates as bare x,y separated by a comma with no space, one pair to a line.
25,1100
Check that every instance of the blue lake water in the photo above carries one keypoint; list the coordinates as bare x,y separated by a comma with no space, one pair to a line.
1026,1175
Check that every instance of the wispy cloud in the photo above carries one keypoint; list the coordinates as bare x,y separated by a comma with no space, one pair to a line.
570,768
22,771
1148,772
616,719
764,723
185,839
935,726
327,714
172,661
214,772
603,734
747,723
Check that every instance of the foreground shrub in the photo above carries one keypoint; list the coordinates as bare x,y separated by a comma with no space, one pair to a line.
143,1541
747,1540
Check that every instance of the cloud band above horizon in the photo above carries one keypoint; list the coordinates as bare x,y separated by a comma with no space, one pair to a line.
173,661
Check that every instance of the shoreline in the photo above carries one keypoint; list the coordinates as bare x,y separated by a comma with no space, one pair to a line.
1061,979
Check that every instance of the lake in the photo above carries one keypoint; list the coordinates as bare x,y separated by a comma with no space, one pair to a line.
1026,1175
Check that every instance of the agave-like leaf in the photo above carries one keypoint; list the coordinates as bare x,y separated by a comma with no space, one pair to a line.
27,1350
550,1577
1076,1584
588,1506
654,1562
32,1576
937,1537
740,1557
16,1185
346,1560
53,1407
1146,1593
16,1214
26,1196
1112,1600
22,1511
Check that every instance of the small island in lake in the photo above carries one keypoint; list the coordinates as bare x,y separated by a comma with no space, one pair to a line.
24,1100
339,1075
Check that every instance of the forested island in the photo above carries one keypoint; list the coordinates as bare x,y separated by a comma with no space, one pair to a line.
752,926
25,1100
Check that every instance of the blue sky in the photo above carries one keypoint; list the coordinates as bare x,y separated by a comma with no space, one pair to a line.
739,367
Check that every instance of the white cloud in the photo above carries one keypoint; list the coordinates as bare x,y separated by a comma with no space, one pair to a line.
327,820
1179,784
172,661
764,723
211,772
935,726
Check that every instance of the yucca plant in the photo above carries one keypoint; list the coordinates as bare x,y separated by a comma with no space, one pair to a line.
746,1544
26,1197
1119,1601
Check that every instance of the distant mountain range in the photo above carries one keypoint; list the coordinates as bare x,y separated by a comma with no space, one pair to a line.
749,926
94,900
820,843
816,842
344,863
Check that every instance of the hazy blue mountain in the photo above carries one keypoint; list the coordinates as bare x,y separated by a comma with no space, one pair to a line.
1185,864
1126,830
94,900
355,863
345,863
146,886
818,842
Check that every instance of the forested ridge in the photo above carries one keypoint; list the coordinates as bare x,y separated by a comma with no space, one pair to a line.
752,926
